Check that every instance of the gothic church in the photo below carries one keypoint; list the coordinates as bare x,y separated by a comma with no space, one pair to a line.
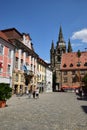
55,59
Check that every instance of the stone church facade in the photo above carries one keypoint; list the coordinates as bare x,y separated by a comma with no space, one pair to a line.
55,59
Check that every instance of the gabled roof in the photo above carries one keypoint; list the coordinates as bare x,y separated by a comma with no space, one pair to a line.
11,29
70,61
3,36
41,61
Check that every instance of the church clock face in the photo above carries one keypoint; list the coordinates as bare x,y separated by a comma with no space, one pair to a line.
62,44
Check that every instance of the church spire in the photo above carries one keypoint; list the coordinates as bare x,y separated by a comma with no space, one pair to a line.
52,46
69,46
60,37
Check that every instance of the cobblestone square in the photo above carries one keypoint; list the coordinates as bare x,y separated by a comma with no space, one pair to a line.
52,111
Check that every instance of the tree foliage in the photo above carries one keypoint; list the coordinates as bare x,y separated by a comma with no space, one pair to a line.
5,91
78,53
85,80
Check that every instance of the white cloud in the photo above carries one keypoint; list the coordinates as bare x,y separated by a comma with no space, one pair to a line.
76,45
80,35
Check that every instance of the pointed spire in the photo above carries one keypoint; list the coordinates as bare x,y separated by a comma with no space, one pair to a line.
52,45
60,37
69,46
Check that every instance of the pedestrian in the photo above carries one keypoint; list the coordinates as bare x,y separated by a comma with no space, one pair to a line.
37,92
29,93
33,93
80,93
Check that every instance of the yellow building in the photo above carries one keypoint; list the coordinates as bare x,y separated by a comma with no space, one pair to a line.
41,74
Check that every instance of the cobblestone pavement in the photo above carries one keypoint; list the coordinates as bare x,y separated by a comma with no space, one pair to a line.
52,111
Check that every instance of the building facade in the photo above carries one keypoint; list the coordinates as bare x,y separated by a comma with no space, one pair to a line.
24,76
44,76
49,79
73,69
20,65
6,59
68,69
41,74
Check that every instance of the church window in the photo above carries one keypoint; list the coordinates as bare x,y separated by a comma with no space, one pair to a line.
59,58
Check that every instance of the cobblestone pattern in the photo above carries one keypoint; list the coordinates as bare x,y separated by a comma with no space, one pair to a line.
52,111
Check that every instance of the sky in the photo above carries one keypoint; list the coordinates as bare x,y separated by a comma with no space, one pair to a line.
42,20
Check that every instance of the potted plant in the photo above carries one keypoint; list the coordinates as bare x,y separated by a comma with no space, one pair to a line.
5,93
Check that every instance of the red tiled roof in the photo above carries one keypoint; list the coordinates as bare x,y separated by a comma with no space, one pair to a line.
3,36
72,59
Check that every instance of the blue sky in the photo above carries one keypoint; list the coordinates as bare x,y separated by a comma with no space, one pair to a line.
42,20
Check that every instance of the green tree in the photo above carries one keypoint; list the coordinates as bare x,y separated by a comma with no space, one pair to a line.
85,80
78,53
5,91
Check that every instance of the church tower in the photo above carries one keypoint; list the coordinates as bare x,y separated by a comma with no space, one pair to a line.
69,46
52,50
55,59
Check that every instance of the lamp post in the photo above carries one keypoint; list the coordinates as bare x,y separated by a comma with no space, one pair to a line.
78,64
79,76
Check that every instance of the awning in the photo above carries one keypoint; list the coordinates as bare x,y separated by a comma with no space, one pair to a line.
65,86
75,86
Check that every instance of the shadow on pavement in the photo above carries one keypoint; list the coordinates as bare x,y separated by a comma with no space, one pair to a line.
84,109
82,98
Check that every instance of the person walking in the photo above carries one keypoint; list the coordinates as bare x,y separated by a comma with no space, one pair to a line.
37,92
33,93
29,93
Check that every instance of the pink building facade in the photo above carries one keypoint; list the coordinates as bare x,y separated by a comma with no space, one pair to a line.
6,59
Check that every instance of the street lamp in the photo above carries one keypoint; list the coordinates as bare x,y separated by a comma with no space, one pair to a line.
79,64
79,76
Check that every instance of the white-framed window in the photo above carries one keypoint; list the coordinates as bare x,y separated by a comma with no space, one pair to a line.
9,53
65,79
16,77
1,49
21,63
16,62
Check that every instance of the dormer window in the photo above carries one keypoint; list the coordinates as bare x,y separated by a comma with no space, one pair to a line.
79,64
64,65
71,65
85,64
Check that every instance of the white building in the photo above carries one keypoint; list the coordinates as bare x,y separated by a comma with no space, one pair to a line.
48,80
